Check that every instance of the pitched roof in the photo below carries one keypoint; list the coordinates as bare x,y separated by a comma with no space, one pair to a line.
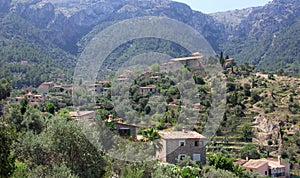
180,135
148,87
274,163
194,56
81,113
255,163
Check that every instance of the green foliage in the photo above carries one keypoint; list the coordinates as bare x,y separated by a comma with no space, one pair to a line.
155,68
271,77
24,105
61,142
246,132
247,89
130,171
269,105
294,106
220,162
33,120
166,170
255,97
221,59
21,170
278,53
150,134
5,88
64,113
14,116
190,172
249,150
50,108
27,58
140,46
7,160
211,172
187,161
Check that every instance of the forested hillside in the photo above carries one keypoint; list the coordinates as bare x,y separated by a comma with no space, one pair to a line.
27,57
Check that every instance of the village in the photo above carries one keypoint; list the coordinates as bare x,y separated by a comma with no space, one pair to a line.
176,145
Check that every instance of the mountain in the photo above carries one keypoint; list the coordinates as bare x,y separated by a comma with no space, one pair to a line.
266,37
68,21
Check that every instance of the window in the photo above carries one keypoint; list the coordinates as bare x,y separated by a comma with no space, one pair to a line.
181,156
124,132
198,143
197,157
181,143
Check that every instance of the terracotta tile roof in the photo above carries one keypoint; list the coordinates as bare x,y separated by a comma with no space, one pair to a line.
240,162
186,58
274,163
180,135
255,163
148,87
80,113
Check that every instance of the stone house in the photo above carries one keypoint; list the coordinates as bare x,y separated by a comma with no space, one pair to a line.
124,130
45,87
178,144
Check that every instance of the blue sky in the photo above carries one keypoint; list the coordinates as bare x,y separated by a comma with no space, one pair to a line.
209,6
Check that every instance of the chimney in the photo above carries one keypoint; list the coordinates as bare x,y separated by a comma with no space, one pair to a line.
247,158
120,120
184,130
279,160
78,112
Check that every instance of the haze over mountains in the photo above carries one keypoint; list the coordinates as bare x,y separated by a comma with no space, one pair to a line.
267,37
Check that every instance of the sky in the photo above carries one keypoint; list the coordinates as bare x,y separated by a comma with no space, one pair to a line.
210,6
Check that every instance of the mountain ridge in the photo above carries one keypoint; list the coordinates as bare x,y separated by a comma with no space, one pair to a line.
253,35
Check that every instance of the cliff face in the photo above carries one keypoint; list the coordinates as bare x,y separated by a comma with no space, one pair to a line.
266,37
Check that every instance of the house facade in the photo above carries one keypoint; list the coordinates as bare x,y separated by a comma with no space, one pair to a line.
148,89
122,129
126,130
178,144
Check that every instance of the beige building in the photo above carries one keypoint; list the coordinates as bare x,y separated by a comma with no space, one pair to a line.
148,89
267,166
179,144
32,99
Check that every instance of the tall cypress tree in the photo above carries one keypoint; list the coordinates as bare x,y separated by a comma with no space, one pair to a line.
222,60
